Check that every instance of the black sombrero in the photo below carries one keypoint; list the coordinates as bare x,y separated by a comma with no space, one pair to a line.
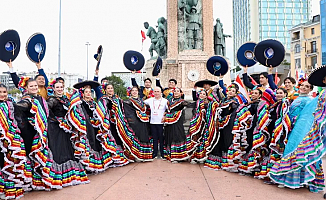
35,47
245,54
9,45
98,56
317,76
206,81
269,53
133,60
217,65
157,66
82,84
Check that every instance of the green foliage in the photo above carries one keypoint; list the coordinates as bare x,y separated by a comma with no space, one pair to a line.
285,62
237,68
14,91
119,86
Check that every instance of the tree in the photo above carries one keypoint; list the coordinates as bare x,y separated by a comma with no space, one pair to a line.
119,86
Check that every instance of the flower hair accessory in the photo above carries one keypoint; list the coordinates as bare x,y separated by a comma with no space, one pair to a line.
301,80
23,84
129,91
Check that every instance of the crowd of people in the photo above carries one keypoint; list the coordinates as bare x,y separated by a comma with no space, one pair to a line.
51,139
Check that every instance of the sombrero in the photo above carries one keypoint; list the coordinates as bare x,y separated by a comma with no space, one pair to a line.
133,60
82,84
245,54
157,66
98,56
206,81
269,53
217,65
35,47
9,45
317,76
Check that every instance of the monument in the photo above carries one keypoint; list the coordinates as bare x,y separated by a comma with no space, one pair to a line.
219,38
189,44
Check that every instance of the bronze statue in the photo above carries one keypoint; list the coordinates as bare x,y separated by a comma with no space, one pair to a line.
193,27
151,33
219,38
161,37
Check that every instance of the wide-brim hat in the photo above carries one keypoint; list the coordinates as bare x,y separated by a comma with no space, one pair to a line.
157,66
82,84
269,53
98,54
317,76
9,45
133,60
35,47
217,65
206,81
245,54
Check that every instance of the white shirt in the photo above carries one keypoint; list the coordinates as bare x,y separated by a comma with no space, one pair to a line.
158,107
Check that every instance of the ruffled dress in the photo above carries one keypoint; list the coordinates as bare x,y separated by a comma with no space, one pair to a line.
301,162
66,169
14,177
177,143
202,130
111,112
217,159
94,147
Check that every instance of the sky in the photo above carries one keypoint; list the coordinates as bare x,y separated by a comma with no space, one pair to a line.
115,25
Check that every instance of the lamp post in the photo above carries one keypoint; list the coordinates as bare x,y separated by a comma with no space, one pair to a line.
59,54
87,44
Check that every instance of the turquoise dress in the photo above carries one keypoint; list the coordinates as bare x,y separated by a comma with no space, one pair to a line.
301,162
296,107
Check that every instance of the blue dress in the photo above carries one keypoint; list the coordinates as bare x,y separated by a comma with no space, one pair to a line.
301,162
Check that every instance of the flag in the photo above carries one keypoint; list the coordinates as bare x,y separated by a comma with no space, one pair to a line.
242,88
253,80
277,79
143,36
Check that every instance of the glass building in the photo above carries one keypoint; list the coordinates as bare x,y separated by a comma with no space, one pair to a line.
323,30
256,20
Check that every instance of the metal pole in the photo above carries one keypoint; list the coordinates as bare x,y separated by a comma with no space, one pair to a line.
87,44
59,54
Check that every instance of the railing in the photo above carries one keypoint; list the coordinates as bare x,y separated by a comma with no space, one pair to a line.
295,38
312,51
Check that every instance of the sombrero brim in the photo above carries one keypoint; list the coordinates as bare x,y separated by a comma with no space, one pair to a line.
13,37
82,84
276,59
316,77
157,67
201,83
217,70
242,59
137,64
36,38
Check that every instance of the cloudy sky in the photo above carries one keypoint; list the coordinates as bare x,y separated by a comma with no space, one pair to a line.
115,25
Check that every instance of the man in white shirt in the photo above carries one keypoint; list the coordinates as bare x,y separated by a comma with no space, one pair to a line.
158,107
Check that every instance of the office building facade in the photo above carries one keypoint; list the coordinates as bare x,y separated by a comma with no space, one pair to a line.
323,30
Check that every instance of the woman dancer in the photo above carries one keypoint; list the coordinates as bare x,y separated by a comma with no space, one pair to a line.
14,178
110,109
301,163
66,168
138,122
32,114
177,143
94,147
202,129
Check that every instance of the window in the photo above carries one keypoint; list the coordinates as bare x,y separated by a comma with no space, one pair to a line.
297,48
313,61
298,63
312,31
313,47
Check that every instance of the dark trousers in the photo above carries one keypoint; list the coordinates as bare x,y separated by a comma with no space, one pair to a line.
157,133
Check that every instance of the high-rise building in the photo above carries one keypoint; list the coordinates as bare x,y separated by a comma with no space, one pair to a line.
256,20
323,30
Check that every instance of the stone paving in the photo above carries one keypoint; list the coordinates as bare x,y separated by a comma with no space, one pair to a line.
163,180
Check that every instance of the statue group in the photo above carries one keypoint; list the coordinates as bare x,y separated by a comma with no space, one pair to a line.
158,38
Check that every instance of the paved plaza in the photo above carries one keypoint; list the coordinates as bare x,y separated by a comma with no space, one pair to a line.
164,180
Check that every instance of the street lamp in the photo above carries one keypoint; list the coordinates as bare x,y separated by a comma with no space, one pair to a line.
87,44
59,53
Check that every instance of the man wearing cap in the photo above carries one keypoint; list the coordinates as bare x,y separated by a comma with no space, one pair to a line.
158,106
146,91
41,79
264,78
